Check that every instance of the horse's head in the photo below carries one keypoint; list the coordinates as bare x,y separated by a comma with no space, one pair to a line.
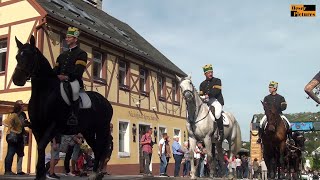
299,139
273,117
186,87
26,61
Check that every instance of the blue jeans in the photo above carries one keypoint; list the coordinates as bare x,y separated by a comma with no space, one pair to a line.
177,163
163,164
12,149
201,169
186,168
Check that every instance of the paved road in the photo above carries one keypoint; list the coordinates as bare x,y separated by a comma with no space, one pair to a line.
118,177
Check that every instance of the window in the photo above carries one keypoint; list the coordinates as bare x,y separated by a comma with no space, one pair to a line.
161,88
175,92
161,131
143,80
124,139
176,132
97,65
123,71
3,54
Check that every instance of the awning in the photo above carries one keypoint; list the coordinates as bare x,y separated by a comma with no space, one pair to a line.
6,107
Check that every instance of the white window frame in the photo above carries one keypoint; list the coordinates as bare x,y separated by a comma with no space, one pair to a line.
174,134
174,91
127,133
160,134
4,50
100,65
123,71
143,80
161,85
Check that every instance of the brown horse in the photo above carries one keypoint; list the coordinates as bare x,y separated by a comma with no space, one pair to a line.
274,141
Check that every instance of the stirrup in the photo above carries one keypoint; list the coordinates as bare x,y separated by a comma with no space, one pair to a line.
72,120
259,141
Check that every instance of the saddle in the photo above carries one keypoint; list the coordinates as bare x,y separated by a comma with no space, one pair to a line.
284,119
85,101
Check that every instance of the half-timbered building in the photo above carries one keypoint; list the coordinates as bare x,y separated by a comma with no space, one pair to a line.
133,75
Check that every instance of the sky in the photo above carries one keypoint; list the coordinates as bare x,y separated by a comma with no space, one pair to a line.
248,42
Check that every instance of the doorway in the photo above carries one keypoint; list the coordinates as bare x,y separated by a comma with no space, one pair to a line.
142,130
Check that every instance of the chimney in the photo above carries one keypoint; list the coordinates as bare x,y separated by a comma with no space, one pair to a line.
95,3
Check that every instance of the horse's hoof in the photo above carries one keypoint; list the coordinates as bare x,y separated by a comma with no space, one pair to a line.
93,176
100,176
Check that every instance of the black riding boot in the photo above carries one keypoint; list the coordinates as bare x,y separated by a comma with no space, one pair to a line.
220,128
73,118
260,135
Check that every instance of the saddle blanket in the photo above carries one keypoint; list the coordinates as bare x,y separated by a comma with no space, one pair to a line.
85,101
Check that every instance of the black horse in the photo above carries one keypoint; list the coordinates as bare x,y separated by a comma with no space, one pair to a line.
293,158
48,112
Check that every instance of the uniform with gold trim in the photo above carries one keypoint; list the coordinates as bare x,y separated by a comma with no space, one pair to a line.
277,100
212,87
72,63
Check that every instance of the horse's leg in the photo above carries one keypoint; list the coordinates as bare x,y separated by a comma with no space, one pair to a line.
220,158
208,144
42,142
192,145
282,154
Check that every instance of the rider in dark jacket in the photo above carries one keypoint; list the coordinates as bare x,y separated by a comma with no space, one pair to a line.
69,67
210,90
273,99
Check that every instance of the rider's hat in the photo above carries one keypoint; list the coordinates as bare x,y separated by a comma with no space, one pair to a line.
73,31
207,68
273,84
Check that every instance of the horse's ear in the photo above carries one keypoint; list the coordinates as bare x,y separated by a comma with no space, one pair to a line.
32,41
178,78
19,44
189,76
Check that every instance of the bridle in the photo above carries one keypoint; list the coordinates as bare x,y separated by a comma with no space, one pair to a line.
192,98
34,66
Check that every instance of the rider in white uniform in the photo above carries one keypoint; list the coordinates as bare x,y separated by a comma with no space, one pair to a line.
210,91
273,99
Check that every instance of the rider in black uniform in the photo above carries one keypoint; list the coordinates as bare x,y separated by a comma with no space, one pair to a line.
69,67
210,89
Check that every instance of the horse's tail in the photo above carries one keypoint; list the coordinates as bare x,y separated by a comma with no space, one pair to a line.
238,140
235,138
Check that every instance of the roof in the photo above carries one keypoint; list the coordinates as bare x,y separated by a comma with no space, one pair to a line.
107,28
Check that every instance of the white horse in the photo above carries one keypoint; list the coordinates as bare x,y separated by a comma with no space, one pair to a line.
201,126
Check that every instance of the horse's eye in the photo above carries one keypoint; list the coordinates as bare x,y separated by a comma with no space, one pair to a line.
21,54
